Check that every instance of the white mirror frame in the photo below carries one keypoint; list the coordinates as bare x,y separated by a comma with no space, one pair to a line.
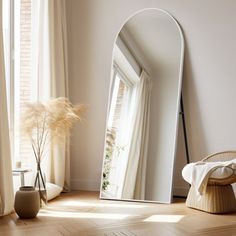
178,103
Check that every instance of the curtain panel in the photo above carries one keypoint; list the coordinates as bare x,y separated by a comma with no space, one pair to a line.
50,74
59,168
135,175
6,182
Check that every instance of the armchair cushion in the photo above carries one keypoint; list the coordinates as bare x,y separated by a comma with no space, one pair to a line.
200,173
221,172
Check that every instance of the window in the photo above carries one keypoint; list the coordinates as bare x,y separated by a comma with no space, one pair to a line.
17,23
22,74
123,91
116,143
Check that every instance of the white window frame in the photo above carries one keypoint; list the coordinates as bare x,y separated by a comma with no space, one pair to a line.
13,7
123,68
8,15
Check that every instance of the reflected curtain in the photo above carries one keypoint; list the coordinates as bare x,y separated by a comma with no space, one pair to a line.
135,176
6,182
51,75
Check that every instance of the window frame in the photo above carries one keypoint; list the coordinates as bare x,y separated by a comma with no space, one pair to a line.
8,18
122,69
13,84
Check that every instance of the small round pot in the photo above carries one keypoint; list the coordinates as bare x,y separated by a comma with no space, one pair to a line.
27,202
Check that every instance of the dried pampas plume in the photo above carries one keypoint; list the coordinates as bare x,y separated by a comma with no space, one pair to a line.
51,121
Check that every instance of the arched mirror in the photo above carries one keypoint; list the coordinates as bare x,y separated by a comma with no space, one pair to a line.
143,112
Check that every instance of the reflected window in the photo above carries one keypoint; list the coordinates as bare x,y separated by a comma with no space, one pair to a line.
119,122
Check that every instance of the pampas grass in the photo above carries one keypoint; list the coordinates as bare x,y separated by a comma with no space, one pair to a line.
49,123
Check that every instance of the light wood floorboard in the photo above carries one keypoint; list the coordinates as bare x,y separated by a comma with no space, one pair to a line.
84,214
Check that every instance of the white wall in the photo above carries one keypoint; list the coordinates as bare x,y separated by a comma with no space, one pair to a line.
209,76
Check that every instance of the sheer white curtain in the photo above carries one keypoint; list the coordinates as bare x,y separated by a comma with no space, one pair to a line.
59,168
51,75
40,51
6,183
135,176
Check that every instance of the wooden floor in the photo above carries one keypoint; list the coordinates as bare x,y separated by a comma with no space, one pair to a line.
82,213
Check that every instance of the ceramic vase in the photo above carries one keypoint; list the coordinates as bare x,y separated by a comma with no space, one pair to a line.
27,202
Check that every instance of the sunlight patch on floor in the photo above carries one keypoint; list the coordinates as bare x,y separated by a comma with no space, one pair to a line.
89,204
83,215
164,218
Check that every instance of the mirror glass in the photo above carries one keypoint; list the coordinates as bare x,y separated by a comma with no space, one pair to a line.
143,110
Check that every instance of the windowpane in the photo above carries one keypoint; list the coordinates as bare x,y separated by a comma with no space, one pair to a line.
115,159
22,74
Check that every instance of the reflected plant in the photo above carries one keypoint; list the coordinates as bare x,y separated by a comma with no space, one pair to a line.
110,143
112,150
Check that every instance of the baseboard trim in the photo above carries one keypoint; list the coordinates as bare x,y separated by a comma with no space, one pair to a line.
180,191
88,185
91,185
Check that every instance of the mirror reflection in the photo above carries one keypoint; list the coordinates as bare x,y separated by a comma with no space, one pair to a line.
143,109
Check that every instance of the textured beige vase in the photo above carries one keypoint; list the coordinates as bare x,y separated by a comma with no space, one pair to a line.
27,202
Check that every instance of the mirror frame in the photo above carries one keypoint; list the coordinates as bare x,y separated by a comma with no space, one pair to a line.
170,200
